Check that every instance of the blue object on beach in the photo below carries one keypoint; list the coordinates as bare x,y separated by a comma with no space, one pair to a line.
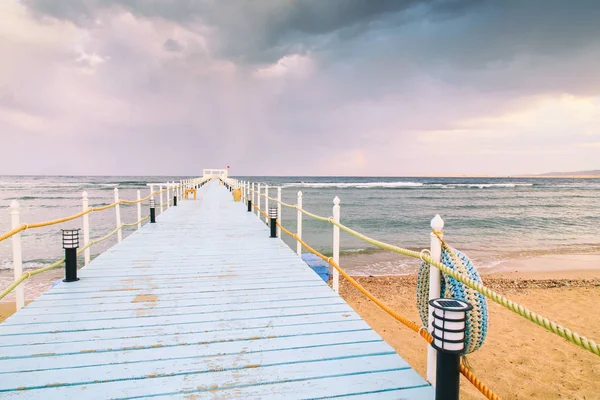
477,318
321,267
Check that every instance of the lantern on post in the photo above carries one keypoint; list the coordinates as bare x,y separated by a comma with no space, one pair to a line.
152,211
70,242
449,326
273,221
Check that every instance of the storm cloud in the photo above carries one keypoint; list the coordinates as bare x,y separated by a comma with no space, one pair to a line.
301,87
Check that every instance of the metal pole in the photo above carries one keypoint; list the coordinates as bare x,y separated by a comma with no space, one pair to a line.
17,253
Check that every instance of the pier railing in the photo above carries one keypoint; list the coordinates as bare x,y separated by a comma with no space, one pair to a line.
171,189
253,192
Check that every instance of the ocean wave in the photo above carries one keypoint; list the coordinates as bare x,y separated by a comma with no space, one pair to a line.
404,185
42,198
27,265
492,185
359,185
369,250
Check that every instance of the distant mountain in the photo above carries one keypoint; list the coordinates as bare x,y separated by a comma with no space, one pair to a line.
595,172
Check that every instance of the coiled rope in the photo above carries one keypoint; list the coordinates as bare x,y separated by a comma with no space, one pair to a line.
477,318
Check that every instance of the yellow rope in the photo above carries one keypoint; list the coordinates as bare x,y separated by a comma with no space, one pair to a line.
13,232
60,220
75,216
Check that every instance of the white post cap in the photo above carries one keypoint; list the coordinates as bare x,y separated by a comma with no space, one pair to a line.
437,223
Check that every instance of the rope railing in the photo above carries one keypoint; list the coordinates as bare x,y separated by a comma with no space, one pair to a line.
549,325
419,329
23,227
58,263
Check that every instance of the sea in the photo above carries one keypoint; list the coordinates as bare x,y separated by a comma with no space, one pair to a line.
490,219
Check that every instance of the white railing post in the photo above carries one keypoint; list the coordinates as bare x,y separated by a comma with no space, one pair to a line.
168,193
267,203
336,243
258,201
253,202
86,227
15,219
160,189
437,224
279,212
118,214
139,210
299,224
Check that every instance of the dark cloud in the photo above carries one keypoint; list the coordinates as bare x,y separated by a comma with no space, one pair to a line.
263,30
312,80
172,45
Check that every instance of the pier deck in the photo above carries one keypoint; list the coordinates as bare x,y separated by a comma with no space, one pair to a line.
202,304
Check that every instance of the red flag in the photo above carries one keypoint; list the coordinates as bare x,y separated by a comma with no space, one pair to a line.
228,166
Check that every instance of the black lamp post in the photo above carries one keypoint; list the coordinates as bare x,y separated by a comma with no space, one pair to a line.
449,326
273,221
152,211
70,242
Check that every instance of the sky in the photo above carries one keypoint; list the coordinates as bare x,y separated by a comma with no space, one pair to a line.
289,87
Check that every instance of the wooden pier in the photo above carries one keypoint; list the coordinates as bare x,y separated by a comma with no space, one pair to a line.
202,304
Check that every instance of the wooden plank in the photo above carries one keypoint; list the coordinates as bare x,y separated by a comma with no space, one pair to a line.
238,296
176,329
224,310
246,375
162,303
195,364
150,321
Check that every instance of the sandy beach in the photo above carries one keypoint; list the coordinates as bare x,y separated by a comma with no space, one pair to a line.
519,360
